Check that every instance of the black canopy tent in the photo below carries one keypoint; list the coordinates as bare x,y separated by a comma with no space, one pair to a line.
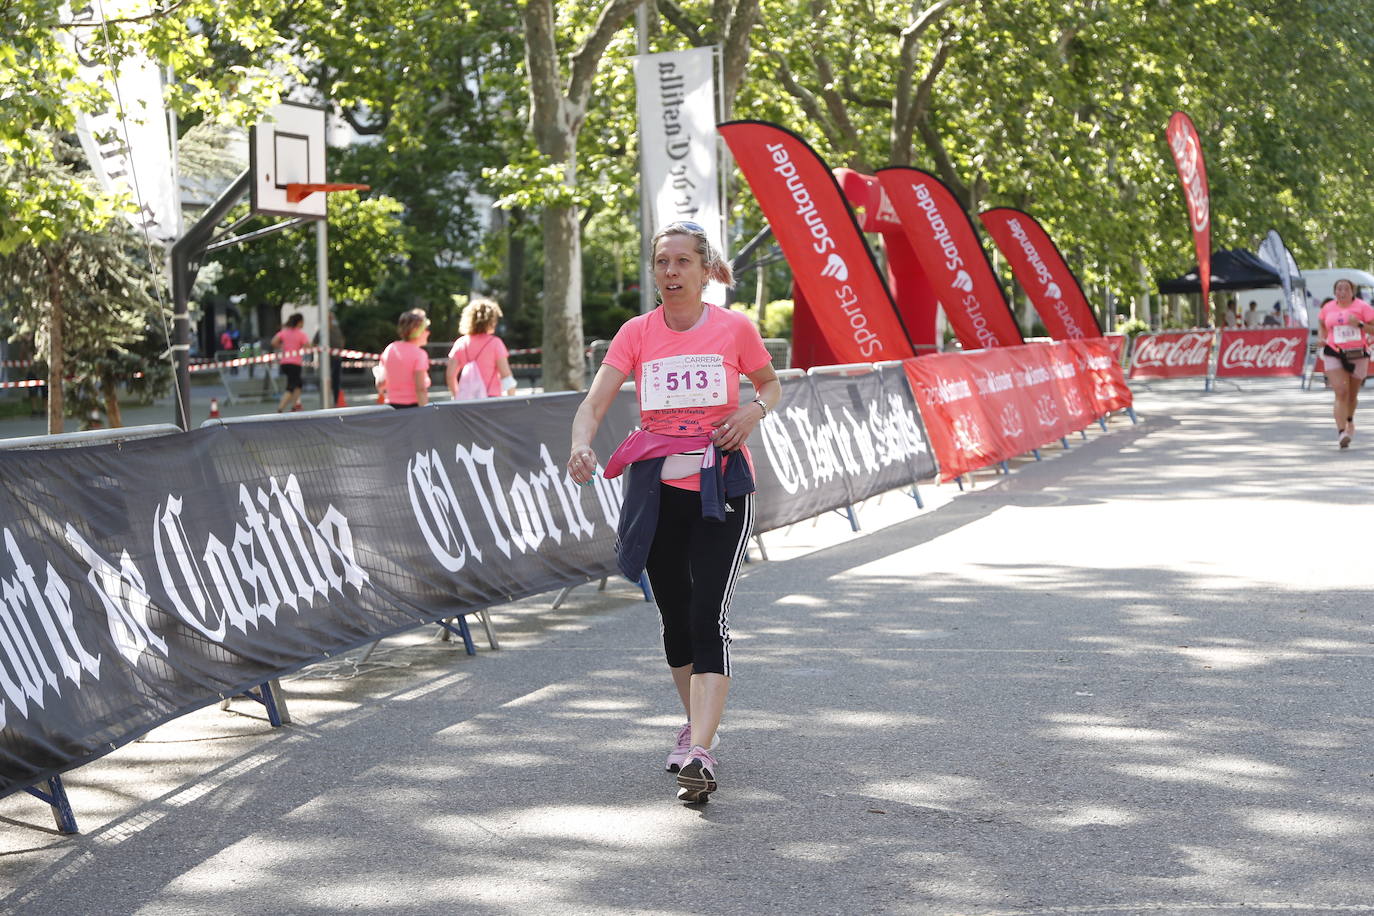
1232,268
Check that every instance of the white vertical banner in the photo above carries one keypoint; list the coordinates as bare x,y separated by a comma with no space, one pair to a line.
677,142
128,143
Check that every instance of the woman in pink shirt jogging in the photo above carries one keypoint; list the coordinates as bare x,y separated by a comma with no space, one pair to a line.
686,358
290,341
403,379
1341,327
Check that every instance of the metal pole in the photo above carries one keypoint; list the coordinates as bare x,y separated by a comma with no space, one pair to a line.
647,302
322,292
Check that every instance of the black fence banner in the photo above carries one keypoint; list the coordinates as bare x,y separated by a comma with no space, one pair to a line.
145,579
836,440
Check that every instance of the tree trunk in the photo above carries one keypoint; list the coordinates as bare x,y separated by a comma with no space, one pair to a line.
110,389
55,354
564,364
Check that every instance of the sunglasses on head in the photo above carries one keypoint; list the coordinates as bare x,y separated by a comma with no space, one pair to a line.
684,224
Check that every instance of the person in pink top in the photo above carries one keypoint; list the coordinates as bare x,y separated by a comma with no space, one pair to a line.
290,341
403,376
686,358
480,346
1341,327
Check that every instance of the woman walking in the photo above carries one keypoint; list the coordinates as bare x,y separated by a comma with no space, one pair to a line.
689,504
1341,327
403,376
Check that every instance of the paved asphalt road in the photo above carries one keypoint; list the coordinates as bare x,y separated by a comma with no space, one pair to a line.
1132,678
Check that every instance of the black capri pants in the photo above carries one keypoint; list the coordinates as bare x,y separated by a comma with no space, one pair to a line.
692,567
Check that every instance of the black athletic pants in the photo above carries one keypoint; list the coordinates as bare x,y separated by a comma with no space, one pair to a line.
692,569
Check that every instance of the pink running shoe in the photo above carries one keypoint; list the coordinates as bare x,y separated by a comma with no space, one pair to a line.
684,747
697,778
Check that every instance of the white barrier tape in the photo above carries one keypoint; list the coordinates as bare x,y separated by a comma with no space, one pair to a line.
26,383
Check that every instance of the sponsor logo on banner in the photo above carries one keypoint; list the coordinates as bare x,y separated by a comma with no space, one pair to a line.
1186,147
1279,352
1051,285
1171,355
947,247
847,298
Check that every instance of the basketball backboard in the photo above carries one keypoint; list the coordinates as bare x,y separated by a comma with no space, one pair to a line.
288,147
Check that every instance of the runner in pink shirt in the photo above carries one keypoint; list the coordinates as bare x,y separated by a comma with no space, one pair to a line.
1342,325
403,379
289,341
686,358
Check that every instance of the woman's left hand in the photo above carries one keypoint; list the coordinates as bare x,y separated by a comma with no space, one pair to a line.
735,431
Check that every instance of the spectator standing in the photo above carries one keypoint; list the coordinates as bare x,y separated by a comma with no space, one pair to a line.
1252,315
403,379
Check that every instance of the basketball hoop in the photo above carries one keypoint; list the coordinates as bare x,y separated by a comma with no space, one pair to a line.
299,191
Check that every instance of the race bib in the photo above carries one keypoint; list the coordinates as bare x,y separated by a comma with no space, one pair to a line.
691,380
1347,333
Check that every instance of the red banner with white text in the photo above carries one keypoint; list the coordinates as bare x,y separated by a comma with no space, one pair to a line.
1171,354
1186,146
1100,364
1279,351
947,246
986,406
818,235
1040,268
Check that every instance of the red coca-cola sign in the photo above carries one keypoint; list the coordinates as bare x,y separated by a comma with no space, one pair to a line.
1261,353
1171,354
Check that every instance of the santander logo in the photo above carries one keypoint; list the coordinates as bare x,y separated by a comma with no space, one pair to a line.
835,267
1277,353
962,281
1053,291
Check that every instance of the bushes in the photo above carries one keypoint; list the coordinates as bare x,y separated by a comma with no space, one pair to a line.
777,318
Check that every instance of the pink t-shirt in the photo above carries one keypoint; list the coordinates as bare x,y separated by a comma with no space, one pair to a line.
483,349
292,339
402,359
1340,334
687,382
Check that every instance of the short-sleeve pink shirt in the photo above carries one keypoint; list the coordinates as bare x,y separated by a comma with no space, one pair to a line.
1336,319
292,339
687,382
483,349
402,359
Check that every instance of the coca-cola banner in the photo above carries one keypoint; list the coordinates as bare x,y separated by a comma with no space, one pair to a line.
1186,146
947,246
147,579
1035,259
986,406
824,248
1172,354
1278,351
1118,342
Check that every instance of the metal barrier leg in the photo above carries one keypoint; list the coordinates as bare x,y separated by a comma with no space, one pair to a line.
462,631
960,481
1130,412
758,539
645,587
1005,466
1083,432
1064,441
56,797
914,494
485,617
270,695
1036,453
561,597
1102,422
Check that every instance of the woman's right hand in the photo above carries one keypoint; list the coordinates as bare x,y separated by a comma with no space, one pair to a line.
582,464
